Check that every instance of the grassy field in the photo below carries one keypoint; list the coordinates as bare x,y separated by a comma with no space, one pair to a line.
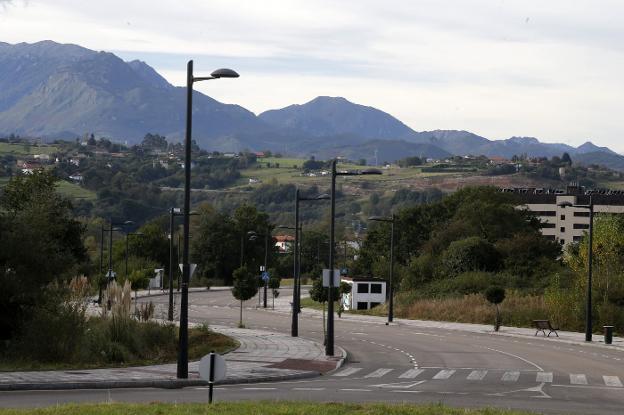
74,191
22,150
287,174
254,408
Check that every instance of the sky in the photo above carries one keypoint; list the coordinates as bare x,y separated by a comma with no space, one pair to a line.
498,68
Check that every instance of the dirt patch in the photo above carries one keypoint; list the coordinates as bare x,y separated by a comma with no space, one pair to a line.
321,366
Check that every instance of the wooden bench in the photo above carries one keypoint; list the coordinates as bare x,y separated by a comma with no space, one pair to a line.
543,325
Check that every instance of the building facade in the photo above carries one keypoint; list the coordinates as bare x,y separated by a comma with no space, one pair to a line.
366,293
567,224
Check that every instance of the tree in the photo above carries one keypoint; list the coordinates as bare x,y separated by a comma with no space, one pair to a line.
245,287
566,159
40,243
319,294
470,254
274,284
495,295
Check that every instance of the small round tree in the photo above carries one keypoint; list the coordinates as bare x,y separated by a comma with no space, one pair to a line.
495,295
244,288
319,294
274,284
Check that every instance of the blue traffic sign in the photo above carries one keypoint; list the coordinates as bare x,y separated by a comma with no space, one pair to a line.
265,276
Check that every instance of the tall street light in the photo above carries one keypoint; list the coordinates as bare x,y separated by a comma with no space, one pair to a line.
329,346
128,235
173,213
588,300
252,237
390,220
102,230
112,229
297,277
294,325
182,369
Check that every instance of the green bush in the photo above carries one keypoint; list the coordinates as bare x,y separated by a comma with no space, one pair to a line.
54,333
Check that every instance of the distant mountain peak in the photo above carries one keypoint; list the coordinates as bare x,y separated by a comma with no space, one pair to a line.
523,140
589,147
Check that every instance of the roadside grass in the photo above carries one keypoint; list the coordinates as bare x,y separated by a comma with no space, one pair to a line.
155,343
517,310
254,408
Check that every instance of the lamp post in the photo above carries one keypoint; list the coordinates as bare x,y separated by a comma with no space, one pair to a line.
329,346
588,299
298,236
182,367
128,235
252,237
294,325
110,246
173,212
101,261
390,220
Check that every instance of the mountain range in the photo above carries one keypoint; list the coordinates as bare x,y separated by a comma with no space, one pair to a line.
53,90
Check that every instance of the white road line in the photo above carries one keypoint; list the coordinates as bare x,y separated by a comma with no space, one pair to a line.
355,390
544,377
612,381
517,357
407,391
578,379
308,389
411,374
477,375
378,373
259,389
348,372
510,376
444,374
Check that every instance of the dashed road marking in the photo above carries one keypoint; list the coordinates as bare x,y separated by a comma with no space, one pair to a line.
411,374
379,373
510,376
477,375
544,377
348,372
577,379
613,381
444,374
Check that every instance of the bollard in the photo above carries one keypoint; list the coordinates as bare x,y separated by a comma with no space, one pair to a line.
211,378
608,334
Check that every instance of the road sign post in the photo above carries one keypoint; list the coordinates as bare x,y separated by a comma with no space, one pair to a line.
212,369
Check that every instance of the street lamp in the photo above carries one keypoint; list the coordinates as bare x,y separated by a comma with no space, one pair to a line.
329,346
128,235
173,212
297,276
588,300
110,245
182,369
390,220
253,236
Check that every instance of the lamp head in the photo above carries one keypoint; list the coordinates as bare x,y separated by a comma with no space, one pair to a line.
224,73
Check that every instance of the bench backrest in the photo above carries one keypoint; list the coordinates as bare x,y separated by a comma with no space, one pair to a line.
542,324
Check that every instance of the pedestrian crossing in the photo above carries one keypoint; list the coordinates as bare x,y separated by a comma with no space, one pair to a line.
476,375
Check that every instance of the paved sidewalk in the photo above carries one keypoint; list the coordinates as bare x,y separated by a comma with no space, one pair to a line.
568,337
262,356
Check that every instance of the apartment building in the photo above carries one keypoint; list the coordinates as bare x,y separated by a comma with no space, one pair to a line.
567,224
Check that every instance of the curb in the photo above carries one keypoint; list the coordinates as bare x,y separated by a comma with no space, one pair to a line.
156,383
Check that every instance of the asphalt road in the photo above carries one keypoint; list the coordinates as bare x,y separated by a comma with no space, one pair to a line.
399,363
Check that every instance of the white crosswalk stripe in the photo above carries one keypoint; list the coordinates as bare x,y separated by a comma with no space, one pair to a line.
578,379
411,374
612,381
378,373
477,375
348,372
510,376
444,374
544,377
